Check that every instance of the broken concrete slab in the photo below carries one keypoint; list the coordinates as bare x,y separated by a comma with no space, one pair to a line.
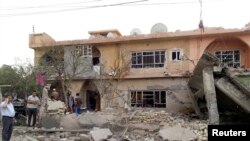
50,121
196,81
84,137
55,107
28,138
217,69
237,82
41,138
145,127
231,91
177,133
100,134
89,120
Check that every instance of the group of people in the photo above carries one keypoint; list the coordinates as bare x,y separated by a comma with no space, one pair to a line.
8,114
74,104
33,102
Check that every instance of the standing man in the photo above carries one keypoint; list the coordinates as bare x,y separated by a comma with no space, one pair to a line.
8,113
78,104
33,102
70,100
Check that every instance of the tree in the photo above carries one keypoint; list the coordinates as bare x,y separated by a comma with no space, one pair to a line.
21,77
108,82
59,69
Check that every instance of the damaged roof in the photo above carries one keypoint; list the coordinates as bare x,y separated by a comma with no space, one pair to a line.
46,41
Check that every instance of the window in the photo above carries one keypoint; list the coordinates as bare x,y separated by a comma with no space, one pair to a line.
85,50
231,58
148,59
78,51
176,55
148,98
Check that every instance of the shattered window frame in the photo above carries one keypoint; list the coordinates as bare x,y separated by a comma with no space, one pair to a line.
231,58
148,59
148,98
83,50
176,55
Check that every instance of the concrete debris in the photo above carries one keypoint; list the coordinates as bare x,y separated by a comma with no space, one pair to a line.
41,138
216,89
145,125
151,122
84,137
177,133
55,107
28,138
100,134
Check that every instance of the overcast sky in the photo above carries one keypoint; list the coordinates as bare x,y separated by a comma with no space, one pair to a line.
72,19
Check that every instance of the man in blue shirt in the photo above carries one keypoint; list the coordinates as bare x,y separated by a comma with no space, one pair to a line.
8,113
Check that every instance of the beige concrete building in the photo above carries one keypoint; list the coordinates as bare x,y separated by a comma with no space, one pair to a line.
144,70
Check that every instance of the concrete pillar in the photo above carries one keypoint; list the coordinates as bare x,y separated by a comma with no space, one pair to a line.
210,94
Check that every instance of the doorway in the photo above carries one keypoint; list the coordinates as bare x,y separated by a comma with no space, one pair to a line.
93,101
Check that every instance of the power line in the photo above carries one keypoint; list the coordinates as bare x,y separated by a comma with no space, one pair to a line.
76,8
46,6
71,9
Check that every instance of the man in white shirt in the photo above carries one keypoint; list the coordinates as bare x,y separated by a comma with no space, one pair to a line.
33,102
8,113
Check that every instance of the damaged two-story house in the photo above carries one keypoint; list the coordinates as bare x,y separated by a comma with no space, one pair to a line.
142,70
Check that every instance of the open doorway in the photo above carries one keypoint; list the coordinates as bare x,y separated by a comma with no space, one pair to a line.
91,96
93,101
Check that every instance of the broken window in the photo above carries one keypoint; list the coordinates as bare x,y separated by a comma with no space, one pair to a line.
48,59
176,55
148,59
84,50
230,58
52,57
148,98
87,50
78,51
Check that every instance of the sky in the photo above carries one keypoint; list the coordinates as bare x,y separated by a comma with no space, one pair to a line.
72,19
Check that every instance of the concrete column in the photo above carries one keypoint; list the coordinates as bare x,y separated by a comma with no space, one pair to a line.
210,94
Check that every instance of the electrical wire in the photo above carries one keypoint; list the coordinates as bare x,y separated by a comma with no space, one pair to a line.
76,8
47,6
71,9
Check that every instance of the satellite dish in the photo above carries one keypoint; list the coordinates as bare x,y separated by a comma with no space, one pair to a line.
159,28
110,35
135,31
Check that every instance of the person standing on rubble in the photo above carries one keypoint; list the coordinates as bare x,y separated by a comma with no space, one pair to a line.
32,106
70,101
78,104
8,117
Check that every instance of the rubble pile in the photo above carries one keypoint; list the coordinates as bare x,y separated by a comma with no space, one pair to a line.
22,134
154,124
138,125
55,107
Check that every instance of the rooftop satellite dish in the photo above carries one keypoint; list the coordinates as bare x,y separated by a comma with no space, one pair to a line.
135,31
159,28
110,35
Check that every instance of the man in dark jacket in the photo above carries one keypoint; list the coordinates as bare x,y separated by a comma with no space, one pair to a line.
78,104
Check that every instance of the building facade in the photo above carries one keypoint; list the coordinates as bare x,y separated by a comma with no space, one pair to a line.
145,70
